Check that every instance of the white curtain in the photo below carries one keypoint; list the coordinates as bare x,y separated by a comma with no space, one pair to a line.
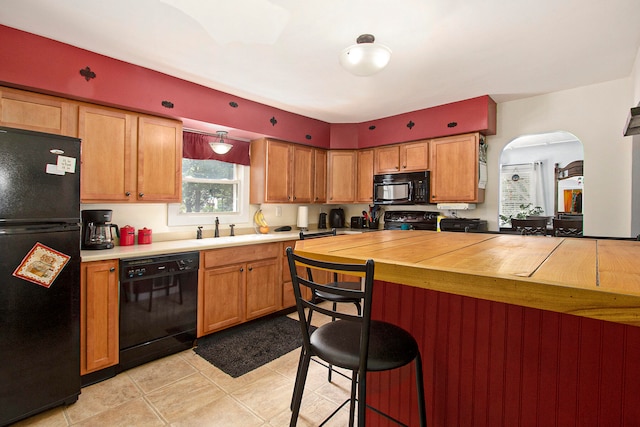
521,184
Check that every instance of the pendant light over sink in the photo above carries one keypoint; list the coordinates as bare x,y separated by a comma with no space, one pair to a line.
365,58
221,147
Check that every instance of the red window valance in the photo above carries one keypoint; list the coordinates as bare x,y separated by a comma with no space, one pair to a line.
196,146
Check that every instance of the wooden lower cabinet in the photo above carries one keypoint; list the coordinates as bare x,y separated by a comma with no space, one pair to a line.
98,315
221,298
263,288
238,284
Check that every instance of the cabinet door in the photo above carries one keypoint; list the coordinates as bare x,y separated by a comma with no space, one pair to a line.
159,160
320,180
98,315
221,298
414,156
303,174
108,155
454,169
33,111
341,171
387,159
278,172
365,176
264,290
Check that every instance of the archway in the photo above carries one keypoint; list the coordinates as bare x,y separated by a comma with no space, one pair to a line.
529,184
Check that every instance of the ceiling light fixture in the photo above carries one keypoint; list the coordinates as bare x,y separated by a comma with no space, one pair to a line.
221,147
365,58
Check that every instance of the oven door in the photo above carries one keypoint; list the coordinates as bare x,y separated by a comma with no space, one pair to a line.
393,193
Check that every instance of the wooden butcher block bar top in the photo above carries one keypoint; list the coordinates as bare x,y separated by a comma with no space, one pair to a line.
597,278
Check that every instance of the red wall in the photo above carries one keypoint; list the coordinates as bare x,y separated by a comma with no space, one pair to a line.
492,364
471,115
44,65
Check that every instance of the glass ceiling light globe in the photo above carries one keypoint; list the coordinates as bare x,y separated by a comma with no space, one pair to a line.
220,147
365,58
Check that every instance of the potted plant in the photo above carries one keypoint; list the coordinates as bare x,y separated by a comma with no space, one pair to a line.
525,211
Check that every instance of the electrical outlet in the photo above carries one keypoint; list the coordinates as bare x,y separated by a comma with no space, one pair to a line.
278,210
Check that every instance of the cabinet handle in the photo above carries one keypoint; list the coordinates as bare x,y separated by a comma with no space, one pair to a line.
241,269
141,194
250,268
112,269
404,166
128,193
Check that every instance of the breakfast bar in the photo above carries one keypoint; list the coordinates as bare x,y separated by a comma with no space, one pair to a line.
514,330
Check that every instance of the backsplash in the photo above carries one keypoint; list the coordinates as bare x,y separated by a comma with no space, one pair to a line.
154,216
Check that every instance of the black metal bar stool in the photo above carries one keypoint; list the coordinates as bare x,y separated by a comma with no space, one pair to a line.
326,296
353,342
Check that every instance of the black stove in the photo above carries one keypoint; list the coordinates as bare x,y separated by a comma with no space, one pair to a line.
475,225
416,220
426,220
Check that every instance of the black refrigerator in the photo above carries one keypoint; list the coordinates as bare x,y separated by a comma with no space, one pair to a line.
39,272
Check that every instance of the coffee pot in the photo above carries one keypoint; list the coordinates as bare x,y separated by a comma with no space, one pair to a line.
96,232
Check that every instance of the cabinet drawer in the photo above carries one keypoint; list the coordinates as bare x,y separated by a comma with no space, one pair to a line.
218,257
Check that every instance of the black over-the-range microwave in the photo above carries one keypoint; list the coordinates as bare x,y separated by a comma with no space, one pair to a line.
401,188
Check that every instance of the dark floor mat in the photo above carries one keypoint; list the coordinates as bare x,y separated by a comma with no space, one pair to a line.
243,348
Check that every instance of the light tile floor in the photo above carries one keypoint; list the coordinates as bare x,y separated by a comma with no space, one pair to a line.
185,390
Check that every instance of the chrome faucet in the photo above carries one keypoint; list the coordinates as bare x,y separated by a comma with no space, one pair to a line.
216,233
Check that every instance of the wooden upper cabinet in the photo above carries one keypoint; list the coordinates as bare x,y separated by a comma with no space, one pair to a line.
341,176
159,160
408,157
281,172
108,171
364,189
454,169
303,174
320,179
387,159
32,111
414,156
127,158
270,171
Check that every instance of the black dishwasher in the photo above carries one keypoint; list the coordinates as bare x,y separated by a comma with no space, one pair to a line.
158,307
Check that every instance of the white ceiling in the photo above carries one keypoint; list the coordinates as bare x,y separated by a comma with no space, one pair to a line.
284,53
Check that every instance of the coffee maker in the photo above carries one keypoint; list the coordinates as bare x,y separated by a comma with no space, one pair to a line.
322,221
96,232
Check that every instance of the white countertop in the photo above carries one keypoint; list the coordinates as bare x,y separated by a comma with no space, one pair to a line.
174,246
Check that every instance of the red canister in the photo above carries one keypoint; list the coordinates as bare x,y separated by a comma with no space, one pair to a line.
144,236
127,235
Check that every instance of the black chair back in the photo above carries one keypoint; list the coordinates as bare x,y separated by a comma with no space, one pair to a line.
304,236
366,295
318,235
567,228
530,227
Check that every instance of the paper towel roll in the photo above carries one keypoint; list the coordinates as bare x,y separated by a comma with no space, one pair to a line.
303,217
